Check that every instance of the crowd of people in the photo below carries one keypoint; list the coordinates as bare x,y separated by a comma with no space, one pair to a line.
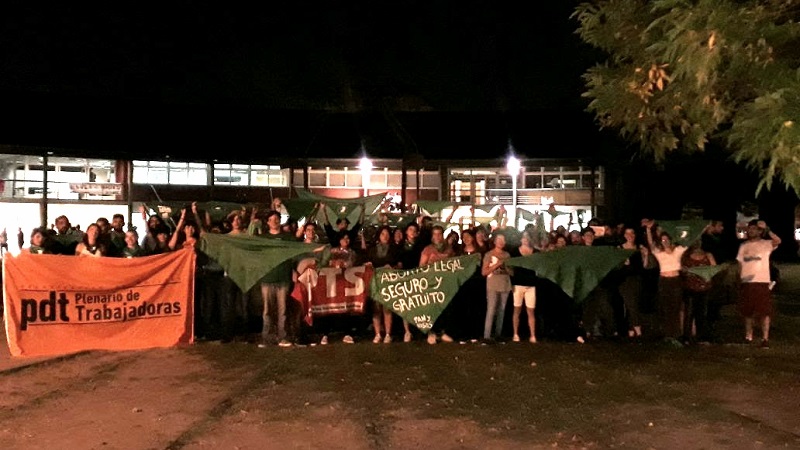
655,281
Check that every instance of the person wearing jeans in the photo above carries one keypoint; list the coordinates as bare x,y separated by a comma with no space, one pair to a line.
498,287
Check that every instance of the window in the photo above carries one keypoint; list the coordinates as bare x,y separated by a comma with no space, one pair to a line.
261,175
194,174
159,172
231,174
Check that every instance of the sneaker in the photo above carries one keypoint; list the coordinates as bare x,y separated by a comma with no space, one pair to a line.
348,339
431,338
764,343
387,339
324,340
407,337
376,339
284,343
515,338
532,339
262,345
446,338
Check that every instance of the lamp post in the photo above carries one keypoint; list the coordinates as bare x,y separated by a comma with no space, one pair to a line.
365,166
513,167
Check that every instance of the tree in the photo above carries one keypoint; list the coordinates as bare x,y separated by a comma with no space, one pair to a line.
682,74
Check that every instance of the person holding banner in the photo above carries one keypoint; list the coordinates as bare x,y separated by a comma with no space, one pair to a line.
91,244
206,304
524,282
469,310
409,259
695,294
498,287
40,242
132,248
342,225
341,257
275,285
382,254
438,250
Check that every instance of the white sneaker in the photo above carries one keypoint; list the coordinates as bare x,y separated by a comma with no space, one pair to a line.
377,339
532,339
284,343
515,338
387,339
324,340
446,338
431,338
407,337
348,339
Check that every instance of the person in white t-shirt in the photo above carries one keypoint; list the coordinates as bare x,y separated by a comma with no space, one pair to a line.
755,300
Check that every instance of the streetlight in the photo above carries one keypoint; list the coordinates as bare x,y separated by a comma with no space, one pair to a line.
513,167
365,166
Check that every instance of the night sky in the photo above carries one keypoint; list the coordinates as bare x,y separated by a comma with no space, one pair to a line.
313,78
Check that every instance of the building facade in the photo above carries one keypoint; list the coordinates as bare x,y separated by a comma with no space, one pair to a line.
37,185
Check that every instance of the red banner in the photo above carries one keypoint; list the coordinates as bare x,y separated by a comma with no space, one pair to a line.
333,291
57,304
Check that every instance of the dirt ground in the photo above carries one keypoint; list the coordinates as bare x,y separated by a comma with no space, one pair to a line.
603,394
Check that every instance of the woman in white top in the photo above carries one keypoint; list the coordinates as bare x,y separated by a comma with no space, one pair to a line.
670,288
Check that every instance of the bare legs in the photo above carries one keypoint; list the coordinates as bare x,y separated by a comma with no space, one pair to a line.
531,323
382,316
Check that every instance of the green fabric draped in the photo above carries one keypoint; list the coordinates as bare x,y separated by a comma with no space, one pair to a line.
301,207
340,207
708,272
683,232
248,259
485,208
433,207
420,295
216,210
575,269
395,219
524,214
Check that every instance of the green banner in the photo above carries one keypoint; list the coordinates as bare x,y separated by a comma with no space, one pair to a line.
248,259
420,295
576,269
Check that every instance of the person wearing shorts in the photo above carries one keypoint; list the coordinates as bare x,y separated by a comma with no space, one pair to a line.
527,295
755,299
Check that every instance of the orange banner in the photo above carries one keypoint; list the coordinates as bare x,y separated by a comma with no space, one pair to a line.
56,304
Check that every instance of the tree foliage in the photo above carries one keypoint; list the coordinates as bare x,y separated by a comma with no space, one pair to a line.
683,73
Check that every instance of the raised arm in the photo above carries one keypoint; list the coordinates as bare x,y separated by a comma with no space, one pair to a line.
776,240
173,240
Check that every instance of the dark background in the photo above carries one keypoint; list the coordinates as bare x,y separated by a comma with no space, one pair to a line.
474,79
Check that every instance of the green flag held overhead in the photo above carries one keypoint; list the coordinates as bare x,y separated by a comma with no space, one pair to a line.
420,295
344,207
524,214
248,259
575,269
217,211
301,207
683,232
433,207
